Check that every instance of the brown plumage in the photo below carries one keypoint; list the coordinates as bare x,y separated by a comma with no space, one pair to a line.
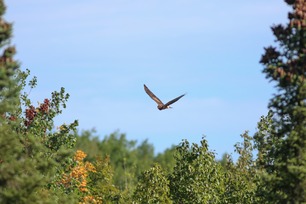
160,104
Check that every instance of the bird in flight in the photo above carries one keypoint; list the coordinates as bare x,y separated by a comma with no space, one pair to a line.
160,104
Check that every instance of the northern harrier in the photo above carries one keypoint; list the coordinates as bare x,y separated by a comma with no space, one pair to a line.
161,105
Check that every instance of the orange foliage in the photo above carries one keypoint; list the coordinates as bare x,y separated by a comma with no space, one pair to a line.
78,176
89,199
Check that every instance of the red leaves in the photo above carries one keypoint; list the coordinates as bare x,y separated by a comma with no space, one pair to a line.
31,112
44,108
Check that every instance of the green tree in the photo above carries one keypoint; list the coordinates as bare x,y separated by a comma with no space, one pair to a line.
101,182
9,89
32,160
20,176
89,142
197,177
241,176
127,158
144,157
152,187
166,159
283,142
32,154
122,157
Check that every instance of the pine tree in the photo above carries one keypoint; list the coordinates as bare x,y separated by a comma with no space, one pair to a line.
9,92
282,139
31,155
18,177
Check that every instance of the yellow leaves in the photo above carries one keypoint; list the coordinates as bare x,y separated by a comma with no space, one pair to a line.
79,156
90,167
89,199
78,176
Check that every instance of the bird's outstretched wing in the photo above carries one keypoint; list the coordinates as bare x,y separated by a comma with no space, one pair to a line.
174,100
157,100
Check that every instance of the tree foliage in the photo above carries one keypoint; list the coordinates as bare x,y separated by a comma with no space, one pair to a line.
23,170
197,177
30,157
241,176
128,158
152,187
282,135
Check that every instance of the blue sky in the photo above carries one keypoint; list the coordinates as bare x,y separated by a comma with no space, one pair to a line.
103,52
